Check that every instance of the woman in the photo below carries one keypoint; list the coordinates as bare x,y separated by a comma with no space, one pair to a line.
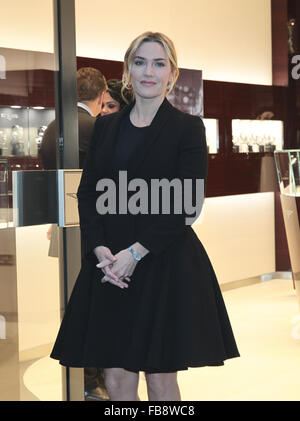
114,99
159,295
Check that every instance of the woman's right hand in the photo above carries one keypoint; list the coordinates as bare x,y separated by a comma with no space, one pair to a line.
105,255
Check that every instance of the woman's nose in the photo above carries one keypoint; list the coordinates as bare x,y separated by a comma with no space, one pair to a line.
149,69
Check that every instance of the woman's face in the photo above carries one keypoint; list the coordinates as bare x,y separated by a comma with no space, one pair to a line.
150,71
109,105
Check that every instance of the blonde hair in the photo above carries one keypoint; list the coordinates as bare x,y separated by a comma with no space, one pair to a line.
169,48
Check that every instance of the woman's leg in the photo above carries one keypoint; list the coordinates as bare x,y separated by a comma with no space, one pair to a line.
121,384
162,386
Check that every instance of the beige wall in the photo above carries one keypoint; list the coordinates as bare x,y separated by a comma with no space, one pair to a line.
238,233
229,40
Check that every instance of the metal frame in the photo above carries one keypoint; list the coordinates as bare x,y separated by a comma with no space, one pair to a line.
67,156
65,84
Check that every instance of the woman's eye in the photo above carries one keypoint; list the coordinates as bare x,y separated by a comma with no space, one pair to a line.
111,106
160,64
138,62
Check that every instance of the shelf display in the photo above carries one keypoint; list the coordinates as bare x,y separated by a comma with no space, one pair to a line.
22,129
257,135
212,134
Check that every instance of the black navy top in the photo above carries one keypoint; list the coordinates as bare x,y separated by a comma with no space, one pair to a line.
129,137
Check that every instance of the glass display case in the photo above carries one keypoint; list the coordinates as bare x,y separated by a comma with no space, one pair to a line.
257,135
212,134
288,172
22,129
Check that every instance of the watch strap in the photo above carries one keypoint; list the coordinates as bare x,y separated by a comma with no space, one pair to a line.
137,256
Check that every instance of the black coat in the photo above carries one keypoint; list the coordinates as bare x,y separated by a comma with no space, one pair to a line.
172,316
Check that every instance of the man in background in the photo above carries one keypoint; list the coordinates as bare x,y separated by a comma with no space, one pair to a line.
91,86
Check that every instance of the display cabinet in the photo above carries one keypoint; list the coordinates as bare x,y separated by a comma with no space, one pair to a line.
257,135
22,129
21,134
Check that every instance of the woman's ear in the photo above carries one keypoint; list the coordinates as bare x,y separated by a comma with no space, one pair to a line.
170,81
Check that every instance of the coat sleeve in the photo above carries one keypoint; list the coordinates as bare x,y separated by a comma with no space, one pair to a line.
192,164
92,231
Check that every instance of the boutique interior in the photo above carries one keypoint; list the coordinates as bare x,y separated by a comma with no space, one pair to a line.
237,73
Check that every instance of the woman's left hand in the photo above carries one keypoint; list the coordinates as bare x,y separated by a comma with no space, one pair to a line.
123,267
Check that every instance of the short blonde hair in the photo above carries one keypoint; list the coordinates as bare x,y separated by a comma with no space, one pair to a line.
169,48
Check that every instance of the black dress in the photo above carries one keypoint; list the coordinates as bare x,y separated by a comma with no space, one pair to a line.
129,137
171,317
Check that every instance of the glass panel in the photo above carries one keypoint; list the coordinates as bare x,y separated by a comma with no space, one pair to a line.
288,171
29,257
295,164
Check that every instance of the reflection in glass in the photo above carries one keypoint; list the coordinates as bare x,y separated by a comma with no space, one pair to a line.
212,134
30,295
288,171
5,216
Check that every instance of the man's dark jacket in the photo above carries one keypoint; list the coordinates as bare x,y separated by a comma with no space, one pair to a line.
48,148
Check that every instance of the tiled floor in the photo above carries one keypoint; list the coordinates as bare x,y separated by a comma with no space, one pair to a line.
266,322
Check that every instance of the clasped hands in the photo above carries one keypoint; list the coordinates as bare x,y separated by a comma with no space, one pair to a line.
116,267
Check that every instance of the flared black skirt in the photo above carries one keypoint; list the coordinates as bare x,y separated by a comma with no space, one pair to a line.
171,317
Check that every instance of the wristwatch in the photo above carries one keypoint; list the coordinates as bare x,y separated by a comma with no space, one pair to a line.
135,254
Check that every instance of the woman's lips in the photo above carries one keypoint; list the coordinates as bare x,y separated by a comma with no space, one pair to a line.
145,83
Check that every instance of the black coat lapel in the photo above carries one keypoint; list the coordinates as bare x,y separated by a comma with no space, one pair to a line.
142,150
106,152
